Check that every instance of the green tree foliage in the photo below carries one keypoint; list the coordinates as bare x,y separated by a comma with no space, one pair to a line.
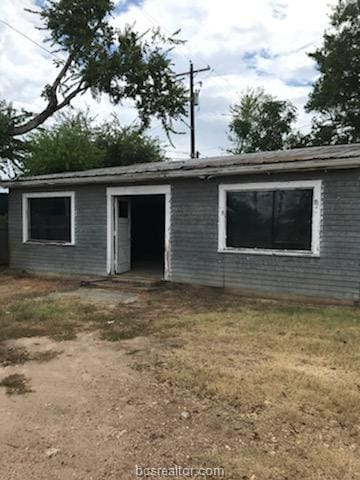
97,57
336,94
10,147
66,147
127,145
73,143
260,122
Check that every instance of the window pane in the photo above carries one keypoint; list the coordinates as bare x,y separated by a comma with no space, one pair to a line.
270,219
123,208
49,219
292,219
249,219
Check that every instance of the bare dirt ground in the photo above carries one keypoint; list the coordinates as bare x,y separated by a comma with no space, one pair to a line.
182,376
99,415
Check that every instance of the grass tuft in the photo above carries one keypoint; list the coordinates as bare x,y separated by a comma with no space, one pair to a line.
13,355
46,356
15,384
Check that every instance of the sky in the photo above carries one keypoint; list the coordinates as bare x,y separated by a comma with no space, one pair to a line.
257,43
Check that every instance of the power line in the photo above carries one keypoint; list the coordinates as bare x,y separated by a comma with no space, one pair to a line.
30,39
152,129
181,152
154,21
218,147
223,76
213,70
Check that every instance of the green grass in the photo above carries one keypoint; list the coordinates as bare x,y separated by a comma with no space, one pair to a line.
59,319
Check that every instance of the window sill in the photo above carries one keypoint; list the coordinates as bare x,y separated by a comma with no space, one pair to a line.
274,253
59,244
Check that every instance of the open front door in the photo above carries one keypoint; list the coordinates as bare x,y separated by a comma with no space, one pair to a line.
123,235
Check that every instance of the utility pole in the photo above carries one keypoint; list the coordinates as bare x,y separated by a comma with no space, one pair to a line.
192,112
191,74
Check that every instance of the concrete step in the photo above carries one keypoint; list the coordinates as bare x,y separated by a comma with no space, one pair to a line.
122,282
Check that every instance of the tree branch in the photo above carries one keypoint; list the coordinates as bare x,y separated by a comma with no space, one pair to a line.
61,74
52,105
81,88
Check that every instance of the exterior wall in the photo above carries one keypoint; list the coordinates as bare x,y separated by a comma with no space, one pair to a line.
335,274
87,256
194,240
4,244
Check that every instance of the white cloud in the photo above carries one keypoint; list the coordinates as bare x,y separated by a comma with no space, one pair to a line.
257,43
25,68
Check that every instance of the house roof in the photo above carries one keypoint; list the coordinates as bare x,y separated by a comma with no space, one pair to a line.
302,159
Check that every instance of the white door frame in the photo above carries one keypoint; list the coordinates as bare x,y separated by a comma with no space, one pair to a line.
111,193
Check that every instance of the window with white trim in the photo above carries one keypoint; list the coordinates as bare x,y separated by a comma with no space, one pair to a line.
274,218
48,217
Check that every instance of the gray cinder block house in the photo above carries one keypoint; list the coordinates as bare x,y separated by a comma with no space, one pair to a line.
275,223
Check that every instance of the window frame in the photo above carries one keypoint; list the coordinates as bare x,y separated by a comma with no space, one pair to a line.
26,217
315,185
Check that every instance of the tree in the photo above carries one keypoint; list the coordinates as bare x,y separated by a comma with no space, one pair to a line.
74,143
260,122
12,149
97,57
336,93
67,146
127,145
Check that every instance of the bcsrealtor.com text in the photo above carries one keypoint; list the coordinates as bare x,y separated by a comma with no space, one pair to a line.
179,471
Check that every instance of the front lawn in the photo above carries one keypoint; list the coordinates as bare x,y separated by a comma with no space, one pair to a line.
272,390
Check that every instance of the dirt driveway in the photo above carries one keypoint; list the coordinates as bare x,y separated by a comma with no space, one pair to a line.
189,377
89,415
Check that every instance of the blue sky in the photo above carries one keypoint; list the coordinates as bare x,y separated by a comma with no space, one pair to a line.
262,43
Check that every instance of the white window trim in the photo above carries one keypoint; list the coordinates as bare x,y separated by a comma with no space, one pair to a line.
25,217
316,185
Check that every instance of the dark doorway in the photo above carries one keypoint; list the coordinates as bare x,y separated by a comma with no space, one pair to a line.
148,233
4,244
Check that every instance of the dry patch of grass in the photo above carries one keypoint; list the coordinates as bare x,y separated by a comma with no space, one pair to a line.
13,355
19,285
45,356
288,375
16,355
16,384
126,323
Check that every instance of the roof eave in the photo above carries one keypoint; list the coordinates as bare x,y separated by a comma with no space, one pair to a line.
306,165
